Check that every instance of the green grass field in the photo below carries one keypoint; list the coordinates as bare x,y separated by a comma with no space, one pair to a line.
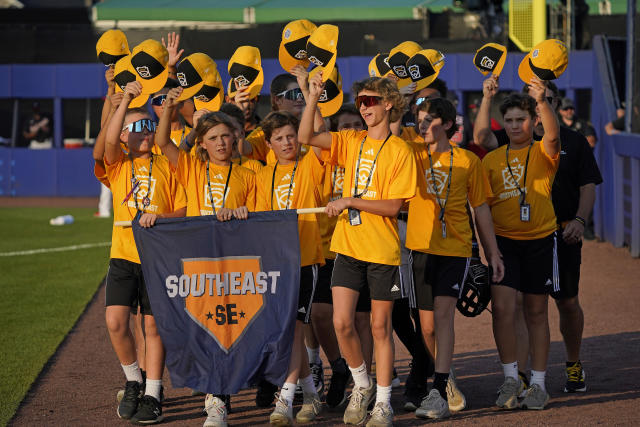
42,295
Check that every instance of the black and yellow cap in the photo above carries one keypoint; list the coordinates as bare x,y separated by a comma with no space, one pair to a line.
424,67
123,74
112,45
149,60
322,48
399,56
245,69
191,72
211,93
293,47
379,66
547,60
332,97
490,58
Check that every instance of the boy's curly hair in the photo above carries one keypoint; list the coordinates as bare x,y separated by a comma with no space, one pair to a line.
389,92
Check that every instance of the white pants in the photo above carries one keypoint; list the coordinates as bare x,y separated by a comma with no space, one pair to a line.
104,205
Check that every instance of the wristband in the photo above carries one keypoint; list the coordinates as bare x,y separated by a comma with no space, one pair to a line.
580,220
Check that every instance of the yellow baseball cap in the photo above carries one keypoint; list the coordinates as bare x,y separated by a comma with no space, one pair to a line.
490,58
149,59
191,72
379,66
322,48
124,73
293,47
547,60
424,67
332,97
112,45
211,93
245,68
399,56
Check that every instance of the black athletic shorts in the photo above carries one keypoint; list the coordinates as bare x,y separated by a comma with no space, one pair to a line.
323,289
530,266
436,276
382,280
308,281
569,260
125,286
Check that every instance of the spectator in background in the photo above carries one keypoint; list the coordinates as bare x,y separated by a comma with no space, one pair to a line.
569,119
37,129
617,125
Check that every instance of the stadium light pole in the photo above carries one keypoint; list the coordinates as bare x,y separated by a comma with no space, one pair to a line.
631,13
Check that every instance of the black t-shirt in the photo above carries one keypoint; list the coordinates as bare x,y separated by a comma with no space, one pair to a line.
578,167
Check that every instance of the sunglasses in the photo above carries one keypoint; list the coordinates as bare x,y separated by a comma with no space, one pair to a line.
141,125
425,98
292,94
158,100
367,100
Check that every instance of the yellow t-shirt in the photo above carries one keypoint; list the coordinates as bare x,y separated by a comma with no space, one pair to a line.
505,203
259,147
468,182
100,172
166,196
393,177
304,194
176,137
409,134
245,162
191,172
331,189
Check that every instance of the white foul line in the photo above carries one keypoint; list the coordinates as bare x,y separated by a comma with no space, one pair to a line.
60,249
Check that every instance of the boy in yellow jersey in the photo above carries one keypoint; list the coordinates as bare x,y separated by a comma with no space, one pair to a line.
237,118
140,181
292,182
521,175
179,127
439,236
380,174
213,184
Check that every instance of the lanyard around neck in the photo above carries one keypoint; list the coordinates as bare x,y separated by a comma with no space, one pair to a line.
443,206
524,180
146,201
273,180
373,165
224,192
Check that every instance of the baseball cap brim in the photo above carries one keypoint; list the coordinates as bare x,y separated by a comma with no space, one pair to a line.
256,86
213,105
153,85
331,107
138,101
287,62
189,92
524,69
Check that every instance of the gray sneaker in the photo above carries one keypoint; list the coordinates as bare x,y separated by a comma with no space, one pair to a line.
282,415
361,397
433,406
311,408
216,412
381,415
509,391
536,398
457,401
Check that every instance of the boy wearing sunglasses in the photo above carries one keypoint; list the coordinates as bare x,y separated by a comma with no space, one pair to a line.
380,174
179,127
140,182
293,181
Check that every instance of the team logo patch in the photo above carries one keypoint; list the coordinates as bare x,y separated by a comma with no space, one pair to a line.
400,71
372,72
535,53
414,70
144,191
202,98
487,63
281,192
182,79
287,33
364,172
242,81
217,188
144,72
316,61
508,181
440,179
225,295
323,96
301,54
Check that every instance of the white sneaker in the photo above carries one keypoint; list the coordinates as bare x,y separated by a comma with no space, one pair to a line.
282,415
381,416
216,412
433,406
359,401
457,401
311,408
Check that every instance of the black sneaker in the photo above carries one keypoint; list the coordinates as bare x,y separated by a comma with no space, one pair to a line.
337,393
575,378
265,394
129,402
415,388
318,377
149,411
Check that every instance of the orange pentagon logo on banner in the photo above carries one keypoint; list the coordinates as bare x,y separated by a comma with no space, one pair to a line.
226,295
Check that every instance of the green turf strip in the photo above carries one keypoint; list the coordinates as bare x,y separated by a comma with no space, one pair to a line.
42,295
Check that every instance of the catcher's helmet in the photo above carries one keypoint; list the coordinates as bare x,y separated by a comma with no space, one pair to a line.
476,291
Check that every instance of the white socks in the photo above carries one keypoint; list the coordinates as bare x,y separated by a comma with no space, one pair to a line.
287,393
510,369
132,372
360,376
537,377
307,385
153,388
383,394
314,355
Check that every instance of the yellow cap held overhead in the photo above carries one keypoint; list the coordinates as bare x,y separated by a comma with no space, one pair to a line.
149,59
424,67
191,73
293,47
112,45
379,66
322,48
245,69
547,60
211,94
331,97
123,74
490,58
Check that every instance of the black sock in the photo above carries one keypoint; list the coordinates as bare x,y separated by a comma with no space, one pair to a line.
440,383
339,365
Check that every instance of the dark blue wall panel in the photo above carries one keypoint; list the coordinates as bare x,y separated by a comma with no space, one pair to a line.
75,173
34,172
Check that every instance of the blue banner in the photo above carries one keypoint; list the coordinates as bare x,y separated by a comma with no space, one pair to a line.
224,297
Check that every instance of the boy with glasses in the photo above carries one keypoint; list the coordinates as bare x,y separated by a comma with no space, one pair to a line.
381,174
